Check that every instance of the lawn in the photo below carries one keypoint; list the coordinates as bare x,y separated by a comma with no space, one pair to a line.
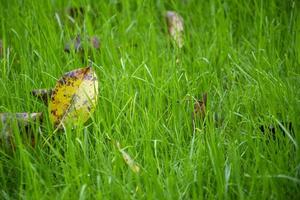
244,54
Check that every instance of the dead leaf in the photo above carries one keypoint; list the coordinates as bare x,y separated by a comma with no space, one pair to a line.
200,108
74,97
95,42
6,137
175,27
128,160
73,44
42,94
78,43
75,12
23,120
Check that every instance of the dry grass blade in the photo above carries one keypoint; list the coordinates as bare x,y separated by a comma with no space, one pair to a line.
175,27
129,161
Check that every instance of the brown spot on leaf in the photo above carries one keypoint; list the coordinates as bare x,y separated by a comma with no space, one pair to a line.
61,81
53,112
89,108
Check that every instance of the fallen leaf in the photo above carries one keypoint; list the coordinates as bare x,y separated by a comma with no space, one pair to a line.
200,108
74,97
6,137
42,94
175,27
128,160
95,42
77,44
23,120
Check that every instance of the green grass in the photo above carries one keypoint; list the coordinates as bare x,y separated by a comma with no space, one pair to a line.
244,54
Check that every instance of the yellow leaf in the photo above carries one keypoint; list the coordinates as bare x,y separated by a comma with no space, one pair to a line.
74,97
175,27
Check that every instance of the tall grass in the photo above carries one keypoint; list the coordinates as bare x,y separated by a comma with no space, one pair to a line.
244,54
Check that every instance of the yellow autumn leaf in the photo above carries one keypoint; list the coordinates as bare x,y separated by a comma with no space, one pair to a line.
74,97
175,27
